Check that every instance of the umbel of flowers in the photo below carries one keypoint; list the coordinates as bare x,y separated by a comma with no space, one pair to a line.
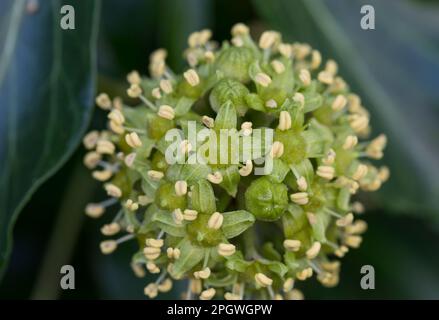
226,231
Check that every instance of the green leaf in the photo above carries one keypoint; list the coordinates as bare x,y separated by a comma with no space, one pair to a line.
226,117
46,94
237,263
279,171
184,104
188,172
236,222
276,267
231,179
166,223
190,256
203,198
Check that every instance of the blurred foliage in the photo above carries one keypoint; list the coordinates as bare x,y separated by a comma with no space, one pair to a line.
394,68
47,79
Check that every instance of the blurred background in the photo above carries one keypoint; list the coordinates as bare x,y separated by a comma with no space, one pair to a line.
48,78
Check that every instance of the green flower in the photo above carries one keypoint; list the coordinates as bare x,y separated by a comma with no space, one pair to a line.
238,174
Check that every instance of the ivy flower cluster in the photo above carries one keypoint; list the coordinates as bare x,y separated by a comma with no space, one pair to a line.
228,232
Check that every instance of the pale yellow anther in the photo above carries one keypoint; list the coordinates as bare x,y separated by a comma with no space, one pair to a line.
207,294
208,121
237,41
316,59
384,173
226,249
262,280
180,188
132,139
358,207
358,227
376,147
240,29
134,91
278,66
215,221
284,121
165,286
192,58
166,86
157,69
177,216
91,139
144,200
305,77
353,241
325,77
91,159
152,267
134,77
339,103
345,221
271,103
341,251
185,146
195,285
190,214
277,149
294,295
116,127
105,147
350,142
205,36
94,210
231,296
151,253
192,77
158,55
360,172
326,172
110,229
263,79
173,253
156,243
314,250
330,157
138,270
300,198
331,67
304,274
268,39
285,50
209,56
292,244
299,98
302,185
131,205
247,169
113,190
108,246
358,122
103,101
156,93
215,178
155,175
202,274
166,112
151,290
129,159
102,175
312,219
288,285
301,50
246,128
194,39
